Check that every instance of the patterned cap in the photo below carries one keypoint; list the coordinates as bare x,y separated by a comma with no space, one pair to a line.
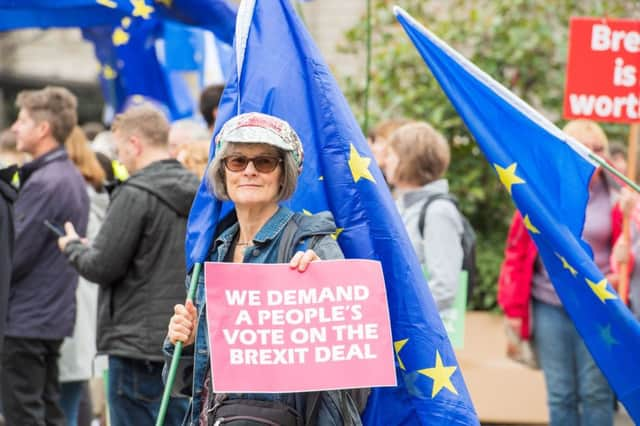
255,127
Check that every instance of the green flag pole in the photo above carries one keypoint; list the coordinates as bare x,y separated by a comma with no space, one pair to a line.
613,171
177,352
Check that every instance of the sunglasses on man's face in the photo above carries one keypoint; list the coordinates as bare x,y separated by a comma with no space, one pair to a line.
262,163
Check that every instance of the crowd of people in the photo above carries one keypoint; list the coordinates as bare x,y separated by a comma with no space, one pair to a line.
92,225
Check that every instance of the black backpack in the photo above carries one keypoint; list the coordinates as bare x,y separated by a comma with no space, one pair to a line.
468,240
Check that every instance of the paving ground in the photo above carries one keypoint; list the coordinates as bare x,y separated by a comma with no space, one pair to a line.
503,392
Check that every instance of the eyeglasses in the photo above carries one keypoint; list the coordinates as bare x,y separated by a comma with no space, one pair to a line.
262,163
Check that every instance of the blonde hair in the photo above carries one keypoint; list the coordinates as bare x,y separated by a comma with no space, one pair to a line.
55,105
385,128
194,156
583,129
145,122
84,158
422,151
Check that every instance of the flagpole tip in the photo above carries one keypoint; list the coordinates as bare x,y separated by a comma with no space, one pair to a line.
397,10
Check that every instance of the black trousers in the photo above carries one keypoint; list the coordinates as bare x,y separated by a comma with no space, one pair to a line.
30,387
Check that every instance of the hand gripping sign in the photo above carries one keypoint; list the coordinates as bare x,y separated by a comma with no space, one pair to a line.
274,329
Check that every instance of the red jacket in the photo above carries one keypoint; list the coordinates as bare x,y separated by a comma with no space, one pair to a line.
516,272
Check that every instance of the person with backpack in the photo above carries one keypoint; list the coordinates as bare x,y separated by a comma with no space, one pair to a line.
418,157
257,164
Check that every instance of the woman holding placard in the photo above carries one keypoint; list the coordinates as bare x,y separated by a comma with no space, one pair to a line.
257,164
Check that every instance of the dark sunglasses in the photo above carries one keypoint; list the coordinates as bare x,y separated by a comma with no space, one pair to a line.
262,163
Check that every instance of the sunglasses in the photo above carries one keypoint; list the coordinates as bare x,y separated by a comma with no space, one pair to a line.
262,163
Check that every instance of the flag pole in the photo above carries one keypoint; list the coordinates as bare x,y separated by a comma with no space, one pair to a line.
367,87
626,228
177,352
602,162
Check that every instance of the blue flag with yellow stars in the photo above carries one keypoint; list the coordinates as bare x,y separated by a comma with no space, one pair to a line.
131,69
124,34
547,174
280,71
217,16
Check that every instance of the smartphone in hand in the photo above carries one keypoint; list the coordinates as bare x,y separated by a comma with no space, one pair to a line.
55,229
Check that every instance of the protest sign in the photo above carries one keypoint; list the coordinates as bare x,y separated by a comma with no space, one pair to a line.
274,329
603,82
453,318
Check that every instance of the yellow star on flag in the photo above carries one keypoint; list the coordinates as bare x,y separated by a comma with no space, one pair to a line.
167,3
359,166
566,265
126,21
137,99
508,176
529,225
600,289
140,8
441,376
107,3
398,347
109,73
321,178
336,234
119,37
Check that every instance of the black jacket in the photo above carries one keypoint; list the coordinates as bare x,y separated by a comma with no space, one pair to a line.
42,297
138,259
8,195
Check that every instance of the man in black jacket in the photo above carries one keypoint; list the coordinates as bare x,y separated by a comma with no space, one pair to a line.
8,194
42,295
138,260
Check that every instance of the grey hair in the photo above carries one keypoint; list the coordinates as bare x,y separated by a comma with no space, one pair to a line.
192,129
216,174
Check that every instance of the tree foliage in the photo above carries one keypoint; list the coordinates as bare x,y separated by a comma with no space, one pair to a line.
520,43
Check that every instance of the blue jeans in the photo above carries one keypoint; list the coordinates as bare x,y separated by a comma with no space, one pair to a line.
135,393
577,392
70,395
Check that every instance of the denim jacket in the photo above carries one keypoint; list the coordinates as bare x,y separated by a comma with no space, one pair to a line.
194,363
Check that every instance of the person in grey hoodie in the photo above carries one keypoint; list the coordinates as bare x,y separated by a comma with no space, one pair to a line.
418,157
137,258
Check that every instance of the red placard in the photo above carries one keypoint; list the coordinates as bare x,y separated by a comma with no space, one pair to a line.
274,329
603,70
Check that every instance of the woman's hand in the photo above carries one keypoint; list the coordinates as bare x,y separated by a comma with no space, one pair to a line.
71,235
627,200
620,251
301,260
515,324
183,324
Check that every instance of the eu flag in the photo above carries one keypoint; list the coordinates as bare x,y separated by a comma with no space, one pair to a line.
547,174
124,34
131,67
214,15
279,71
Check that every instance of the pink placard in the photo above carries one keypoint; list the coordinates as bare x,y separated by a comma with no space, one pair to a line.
274,329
